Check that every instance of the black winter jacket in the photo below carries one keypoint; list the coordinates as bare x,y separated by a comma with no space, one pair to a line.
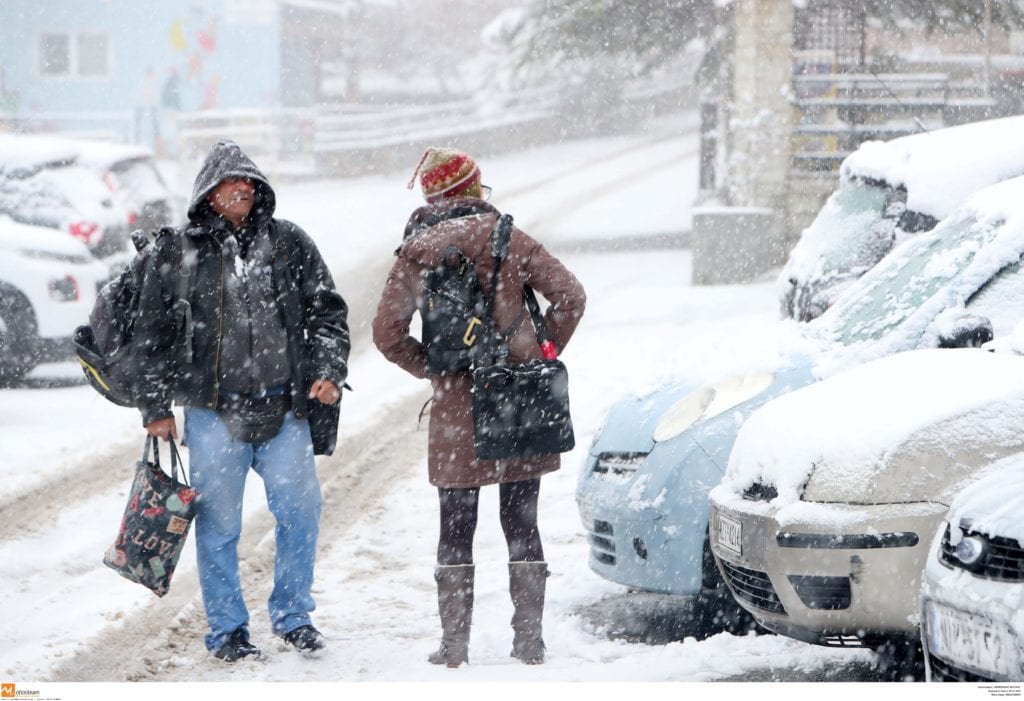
313,312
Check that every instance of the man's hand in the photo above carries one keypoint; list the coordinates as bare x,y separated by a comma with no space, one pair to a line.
163,428
325,391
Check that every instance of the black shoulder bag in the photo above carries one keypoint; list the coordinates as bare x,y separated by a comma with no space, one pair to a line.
520,410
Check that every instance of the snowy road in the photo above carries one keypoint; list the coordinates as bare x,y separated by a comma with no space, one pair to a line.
66,456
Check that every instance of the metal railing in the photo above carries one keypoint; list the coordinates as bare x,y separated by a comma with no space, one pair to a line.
837,112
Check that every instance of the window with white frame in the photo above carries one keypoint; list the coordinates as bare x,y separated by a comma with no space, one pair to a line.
74,55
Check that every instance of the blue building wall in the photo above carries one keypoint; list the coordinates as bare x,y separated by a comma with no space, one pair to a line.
225,53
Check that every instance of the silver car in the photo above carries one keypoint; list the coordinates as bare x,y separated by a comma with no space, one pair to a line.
823,520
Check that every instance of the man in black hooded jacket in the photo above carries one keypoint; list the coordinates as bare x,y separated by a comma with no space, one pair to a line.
258,364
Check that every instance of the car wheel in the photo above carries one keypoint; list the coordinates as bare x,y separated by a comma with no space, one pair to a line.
901,659
18,336
717,610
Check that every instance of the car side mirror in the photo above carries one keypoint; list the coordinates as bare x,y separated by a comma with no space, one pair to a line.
967,331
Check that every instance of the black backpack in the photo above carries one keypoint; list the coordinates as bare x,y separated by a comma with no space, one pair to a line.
458,332
104,346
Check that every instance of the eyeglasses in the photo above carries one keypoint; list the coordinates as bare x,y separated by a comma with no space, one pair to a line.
486,191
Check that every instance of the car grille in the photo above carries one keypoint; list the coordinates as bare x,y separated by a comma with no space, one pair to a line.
618,464
836,640
753,587
943,671
602,544
759,491
822,593
1003,558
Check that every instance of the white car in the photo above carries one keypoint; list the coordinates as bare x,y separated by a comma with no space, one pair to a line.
48,284
135,181
972,593
822,522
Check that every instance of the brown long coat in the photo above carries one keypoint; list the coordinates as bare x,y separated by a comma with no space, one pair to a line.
451,458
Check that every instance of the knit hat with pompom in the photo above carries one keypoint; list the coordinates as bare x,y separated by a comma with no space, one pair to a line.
445,172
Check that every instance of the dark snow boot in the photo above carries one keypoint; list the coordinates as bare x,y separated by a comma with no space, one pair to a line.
455,604
526,583
237,646
305,639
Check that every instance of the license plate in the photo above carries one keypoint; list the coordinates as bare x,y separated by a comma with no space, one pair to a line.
971,642
730,534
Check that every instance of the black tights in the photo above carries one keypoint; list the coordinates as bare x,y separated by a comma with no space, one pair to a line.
517,513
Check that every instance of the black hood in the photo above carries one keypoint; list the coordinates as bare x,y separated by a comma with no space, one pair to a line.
226,161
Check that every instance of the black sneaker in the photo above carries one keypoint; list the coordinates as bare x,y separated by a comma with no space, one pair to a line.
305,638
237,647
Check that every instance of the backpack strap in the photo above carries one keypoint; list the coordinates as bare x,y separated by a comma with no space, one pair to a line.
500,238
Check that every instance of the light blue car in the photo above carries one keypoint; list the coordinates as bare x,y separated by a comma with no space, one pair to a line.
643,490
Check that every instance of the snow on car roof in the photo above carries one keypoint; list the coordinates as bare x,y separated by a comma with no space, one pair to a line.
103,154
852,422
995,503
941,168
28,152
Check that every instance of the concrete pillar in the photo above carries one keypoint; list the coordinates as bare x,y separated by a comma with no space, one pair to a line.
761,117
731,244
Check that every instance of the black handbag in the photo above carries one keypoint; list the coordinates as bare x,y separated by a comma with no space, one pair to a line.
520,410
156,522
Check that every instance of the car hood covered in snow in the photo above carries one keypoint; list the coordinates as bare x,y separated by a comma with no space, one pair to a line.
629,425
909,427
994,504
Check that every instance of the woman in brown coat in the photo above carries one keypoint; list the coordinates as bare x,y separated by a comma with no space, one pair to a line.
457,215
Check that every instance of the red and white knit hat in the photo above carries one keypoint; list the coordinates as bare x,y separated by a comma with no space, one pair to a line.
445,172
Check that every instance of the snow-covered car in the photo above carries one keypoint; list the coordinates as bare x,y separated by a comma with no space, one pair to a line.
42,184
833,492
642,491
888,191
135,181
48,284
972,593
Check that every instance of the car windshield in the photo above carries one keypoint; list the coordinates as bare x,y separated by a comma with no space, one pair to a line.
853,230
138,181
891,292
34,200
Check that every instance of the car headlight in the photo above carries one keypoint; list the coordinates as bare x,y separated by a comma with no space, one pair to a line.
708,401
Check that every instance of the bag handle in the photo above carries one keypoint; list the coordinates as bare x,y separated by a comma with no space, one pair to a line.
500,238
547,347
154,442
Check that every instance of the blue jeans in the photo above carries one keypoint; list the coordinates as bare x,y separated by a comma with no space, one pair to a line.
218,465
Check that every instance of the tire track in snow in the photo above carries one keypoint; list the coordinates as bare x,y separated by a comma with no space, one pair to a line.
164,640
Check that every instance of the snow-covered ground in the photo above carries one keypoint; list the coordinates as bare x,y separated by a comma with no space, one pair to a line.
374,587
